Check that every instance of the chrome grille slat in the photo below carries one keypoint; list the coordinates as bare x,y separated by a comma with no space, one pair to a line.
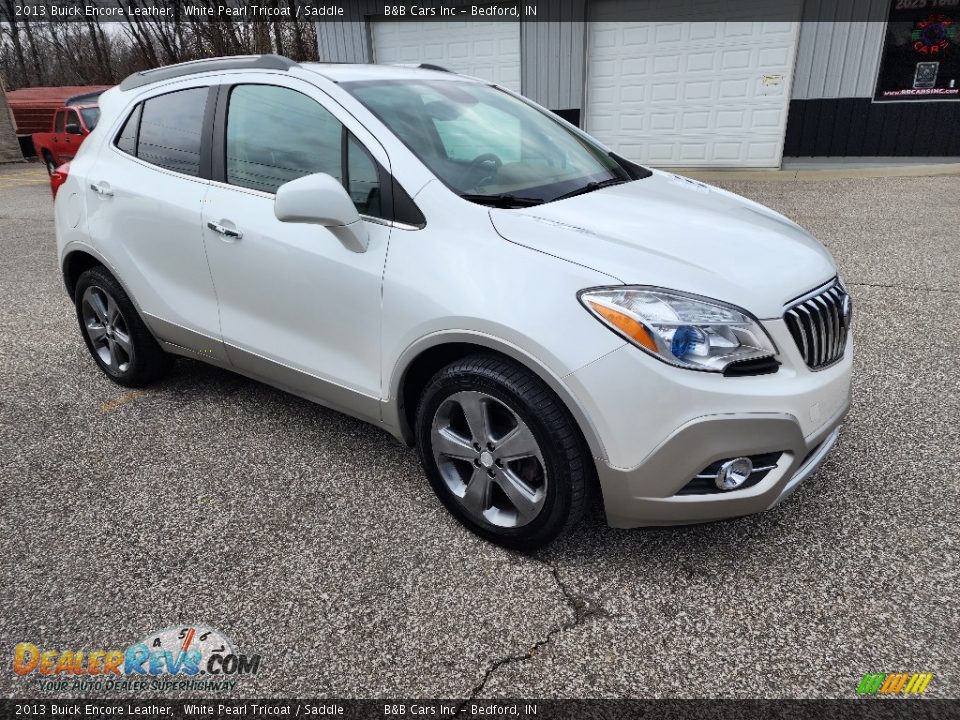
794,316
811,328
836,310
818,325
826,331
841,335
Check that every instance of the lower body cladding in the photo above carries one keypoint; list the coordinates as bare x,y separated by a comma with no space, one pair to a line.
669,435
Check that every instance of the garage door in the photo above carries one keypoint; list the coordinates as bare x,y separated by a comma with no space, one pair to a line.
690,94
490,50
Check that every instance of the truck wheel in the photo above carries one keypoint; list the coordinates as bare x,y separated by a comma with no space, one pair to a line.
48,161
116,337
502,452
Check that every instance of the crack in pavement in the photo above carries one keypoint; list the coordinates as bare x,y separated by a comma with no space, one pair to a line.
904,287
583,611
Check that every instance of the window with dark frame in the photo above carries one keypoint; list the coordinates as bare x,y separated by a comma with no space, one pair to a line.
276,134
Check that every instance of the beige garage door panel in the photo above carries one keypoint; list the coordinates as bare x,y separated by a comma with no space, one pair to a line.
490,50
694,94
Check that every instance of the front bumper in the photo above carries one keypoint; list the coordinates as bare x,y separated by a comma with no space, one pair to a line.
715,438
661,426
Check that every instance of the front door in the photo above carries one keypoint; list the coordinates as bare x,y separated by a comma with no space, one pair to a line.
70,141
297,307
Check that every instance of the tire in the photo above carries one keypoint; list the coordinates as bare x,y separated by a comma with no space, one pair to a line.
48,161
532,482
116,337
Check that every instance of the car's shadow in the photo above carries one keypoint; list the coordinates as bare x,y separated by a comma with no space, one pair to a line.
699,548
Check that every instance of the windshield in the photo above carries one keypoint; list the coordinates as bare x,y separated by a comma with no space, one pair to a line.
483,143
90,116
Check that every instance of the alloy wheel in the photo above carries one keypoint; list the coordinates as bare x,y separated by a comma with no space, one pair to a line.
489,459
107,329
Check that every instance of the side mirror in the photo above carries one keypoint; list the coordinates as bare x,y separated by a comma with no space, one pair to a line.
73,128
320,199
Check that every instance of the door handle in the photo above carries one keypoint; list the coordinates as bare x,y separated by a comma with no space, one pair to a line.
101,190
224,230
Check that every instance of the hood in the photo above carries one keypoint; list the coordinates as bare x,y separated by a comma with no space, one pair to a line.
673,232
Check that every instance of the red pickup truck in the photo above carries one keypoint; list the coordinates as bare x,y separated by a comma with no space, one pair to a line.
71,124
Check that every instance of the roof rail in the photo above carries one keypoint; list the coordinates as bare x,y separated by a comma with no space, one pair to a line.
431,66
236,62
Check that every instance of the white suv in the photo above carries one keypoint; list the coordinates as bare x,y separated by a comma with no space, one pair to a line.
453,263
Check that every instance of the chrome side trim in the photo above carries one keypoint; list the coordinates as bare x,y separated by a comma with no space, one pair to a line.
808,468
198,344
390,223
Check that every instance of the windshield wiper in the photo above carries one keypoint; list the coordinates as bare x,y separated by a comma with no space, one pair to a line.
502,201
590,187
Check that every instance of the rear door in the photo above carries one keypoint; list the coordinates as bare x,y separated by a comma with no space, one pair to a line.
297,306
145,197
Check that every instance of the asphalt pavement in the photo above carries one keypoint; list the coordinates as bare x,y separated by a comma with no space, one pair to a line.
314,540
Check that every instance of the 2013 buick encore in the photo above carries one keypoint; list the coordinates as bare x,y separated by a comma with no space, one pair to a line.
451,262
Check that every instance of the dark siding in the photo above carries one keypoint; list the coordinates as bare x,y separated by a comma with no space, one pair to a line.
858,127
571,115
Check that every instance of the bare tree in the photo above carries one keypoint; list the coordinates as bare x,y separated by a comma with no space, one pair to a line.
81,53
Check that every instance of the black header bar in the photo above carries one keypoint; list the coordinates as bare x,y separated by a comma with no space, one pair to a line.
446,10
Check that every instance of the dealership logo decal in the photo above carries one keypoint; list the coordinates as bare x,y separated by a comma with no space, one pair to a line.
182,657
933,35
894,683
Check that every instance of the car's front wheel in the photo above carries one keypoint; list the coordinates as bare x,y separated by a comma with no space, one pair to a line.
116,337
502,452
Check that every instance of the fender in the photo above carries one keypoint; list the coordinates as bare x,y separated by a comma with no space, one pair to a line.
394,420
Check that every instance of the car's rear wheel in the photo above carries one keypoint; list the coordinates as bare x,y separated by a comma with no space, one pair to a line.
48,161
502,452
116,337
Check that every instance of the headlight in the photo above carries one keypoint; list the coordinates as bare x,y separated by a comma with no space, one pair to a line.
683,330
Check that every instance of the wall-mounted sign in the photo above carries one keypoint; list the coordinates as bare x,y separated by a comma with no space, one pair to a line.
921,51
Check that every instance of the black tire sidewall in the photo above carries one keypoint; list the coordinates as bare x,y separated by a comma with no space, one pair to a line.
555,514
149,360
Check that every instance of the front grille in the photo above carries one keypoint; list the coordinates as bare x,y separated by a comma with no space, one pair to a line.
819,324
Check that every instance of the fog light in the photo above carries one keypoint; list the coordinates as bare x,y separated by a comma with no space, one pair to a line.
734,473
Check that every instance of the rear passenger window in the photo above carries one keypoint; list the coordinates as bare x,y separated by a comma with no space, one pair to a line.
275,135
170,129
58,122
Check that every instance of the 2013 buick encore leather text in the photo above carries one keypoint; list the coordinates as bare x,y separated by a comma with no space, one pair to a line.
436,255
